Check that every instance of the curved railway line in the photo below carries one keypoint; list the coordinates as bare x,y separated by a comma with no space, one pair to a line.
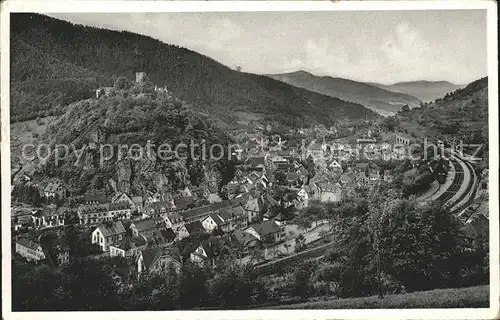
447,196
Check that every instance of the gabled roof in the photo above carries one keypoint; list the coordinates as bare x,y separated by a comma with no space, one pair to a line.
269,201
197,212
212,246
152,255
146,224
194,227
255,161
112,229
159,206
184,203
28,243
137,200
159,236
253,205
477,226
328,187
225,215
129,243
173,217
244,238
99,197
216,218
45,211
266,227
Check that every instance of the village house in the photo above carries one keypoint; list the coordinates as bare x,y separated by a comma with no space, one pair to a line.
120,210
157,209
92,213
212,195
329,192
21,222
363,142
277,159
97,213
183,203
157,260
254,164
62,251
404,139
254,209
48,216
63,255
54,189
267,231
108,233
95,198
226,220
335,165
121,197
316,150
291,199
138,203
30,250
103,92
128,247
245,240
145,226
190,229
208,251
293,179
305,193
476,229
173,221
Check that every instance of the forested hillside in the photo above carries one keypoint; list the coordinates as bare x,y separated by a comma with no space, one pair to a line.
424,90
383,101
94,129
55,62
461,115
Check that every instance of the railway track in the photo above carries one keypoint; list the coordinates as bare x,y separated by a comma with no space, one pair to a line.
455,186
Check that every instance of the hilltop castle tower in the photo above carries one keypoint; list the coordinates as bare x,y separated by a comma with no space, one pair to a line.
139,64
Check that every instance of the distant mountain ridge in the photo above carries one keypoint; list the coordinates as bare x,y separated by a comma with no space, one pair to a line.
462,114
424,90
54,63
378,99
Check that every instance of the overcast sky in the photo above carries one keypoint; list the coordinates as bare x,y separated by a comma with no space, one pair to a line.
376,46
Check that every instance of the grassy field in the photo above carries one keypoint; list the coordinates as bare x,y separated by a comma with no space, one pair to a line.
472,297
